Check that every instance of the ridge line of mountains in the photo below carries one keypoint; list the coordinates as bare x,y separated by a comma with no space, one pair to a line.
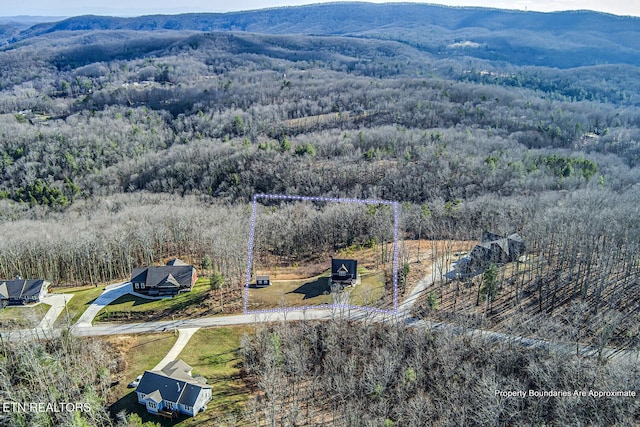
559,39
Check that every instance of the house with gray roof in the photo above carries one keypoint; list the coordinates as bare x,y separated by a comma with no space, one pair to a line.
164,280
172,391
344,272
20,291
493,249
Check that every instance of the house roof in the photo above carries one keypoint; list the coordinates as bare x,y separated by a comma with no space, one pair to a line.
176,261
190,394
165,276
20,288
169,282
494,247
348,266
154,384
262,277
154,381
178,369
173,384
155,396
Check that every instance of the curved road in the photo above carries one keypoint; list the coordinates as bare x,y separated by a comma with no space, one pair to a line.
189,326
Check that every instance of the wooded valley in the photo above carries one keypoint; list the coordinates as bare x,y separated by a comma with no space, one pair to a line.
121,147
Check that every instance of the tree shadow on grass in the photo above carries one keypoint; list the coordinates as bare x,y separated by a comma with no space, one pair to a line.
318,287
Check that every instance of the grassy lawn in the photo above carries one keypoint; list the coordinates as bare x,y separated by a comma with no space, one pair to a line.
142,352
211,353
370,291
315,291
82,299
23,316
123,307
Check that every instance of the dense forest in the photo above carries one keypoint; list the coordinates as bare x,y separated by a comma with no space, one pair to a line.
359,374
123,143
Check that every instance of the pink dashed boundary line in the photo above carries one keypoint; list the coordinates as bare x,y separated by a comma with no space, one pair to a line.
257,197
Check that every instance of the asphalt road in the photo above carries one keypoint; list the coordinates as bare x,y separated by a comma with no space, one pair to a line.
84,327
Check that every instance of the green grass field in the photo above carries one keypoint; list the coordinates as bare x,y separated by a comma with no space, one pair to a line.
22,316
211,353
82,299
127,306
315,291
143,352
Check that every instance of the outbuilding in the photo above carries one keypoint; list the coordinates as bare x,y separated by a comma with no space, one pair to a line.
263,281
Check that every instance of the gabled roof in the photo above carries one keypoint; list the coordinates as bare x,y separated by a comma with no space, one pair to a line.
190,395
515,237
20,288
496,248
152,381
173,384
166,276
169,282
4,292
178,369
504,245
347,266
155,396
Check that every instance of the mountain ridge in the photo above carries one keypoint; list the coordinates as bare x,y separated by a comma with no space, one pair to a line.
559,39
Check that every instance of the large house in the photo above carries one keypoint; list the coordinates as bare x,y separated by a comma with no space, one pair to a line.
172,391
20,291
165,280
495,249
344,272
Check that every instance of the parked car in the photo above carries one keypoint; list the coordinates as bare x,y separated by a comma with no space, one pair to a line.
134,383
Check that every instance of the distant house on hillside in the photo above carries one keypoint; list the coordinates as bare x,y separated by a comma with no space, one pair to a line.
20,291
173,391
166,280
495,249
344,272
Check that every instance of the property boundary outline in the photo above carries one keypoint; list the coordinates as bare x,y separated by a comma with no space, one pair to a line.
257,197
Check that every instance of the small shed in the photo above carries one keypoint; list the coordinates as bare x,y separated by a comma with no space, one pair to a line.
263,281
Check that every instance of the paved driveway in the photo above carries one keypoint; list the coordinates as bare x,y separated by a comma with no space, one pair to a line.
181,342
57,303
111,293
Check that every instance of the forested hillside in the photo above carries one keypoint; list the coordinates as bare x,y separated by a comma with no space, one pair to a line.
127,141
565,39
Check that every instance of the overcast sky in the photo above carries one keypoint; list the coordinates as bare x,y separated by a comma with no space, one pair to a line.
146,7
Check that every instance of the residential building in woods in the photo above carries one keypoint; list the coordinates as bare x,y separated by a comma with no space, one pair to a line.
173,391
20,291
164,280
344,272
